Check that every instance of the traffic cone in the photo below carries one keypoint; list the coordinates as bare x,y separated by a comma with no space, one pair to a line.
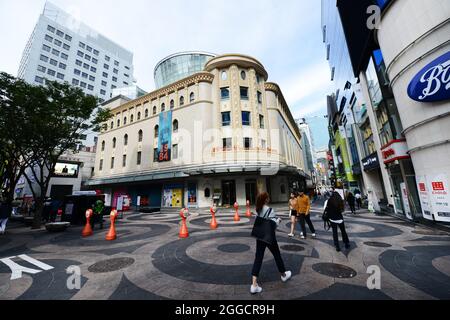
236,215
183,230
87,230
248,214
213,220
111,235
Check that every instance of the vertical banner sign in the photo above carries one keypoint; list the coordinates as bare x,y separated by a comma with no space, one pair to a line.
440,197
424,196
165,136
405,200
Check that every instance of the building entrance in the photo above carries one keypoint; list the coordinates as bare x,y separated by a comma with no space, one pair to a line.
228,192
250,191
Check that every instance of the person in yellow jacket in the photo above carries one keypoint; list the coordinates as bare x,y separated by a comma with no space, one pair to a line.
303,210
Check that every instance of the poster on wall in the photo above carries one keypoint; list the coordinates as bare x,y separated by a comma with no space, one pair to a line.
192,194
405,200
424,196
164,136
167,198
440,200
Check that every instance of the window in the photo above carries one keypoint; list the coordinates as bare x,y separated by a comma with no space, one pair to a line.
62,66
92,78
103,145
82,45
172,104
114,143
84,75
53,62
114,79
181,101
245,118
57,42
131,118
146,112
113,86
225,93
64,56
156,131
139,116
258,78
259,96
127,67
116,63
94,60
100,168
60,76
247,143
154,110
86,66
83,84
124,120
89,49
126,75
102,92
191,97
140,136
46,48
224,75
261,121
41,68
126,83
96,52
115,71
163,107
105,74
175,125
75,82
90,87
112,162
78,63
48,38
226,143
87,57
59,33
103,83
51,72
66,47
39,79
155,155
93,69
244,93
243,75
51,29
80,54
175,151
55,52
67,37
106,66
112,124
139,156
43,58
226,118
77,72
124,160
107,58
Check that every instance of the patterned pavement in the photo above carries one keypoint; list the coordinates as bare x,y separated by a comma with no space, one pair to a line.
149,261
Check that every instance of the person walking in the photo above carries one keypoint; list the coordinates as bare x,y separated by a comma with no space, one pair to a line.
333,210
358,200
5,213
351,202
265,212
303,214
293,211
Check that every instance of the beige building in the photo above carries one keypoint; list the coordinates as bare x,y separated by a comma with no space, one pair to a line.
222,134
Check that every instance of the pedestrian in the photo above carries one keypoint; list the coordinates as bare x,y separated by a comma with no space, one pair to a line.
5,213
293,211
333,210
265,212
358,200
303,214
351,202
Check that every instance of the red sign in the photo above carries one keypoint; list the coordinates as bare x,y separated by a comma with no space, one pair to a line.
422,187
438,186
395,150
164,153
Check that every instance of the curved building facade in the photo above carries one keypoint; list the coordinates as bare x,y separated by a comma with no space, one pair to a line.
180,65
220,135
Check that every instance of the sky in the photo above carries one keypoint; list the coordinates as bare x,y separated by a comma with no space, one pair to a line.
284,35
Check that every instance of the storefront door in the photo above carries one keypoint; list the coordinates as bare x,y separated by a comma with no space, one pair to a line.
250,191
228,192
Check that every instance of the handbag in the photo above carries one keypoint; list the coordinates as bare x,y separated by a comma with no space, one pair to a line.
326,220
264,229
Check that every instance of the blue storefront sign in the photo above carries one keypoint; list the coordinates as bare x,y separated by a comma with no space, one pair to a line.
432,83
164,136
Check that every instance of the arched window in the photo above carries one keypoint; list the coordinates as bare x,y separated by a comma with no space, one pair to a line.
118,122
112,124
243,75
125,140
181,101
207,193
146,113
103,145
131,118
172,104
154,109
139,116
175,125
114,143
124,120
191,97
140,136
156,131
163,107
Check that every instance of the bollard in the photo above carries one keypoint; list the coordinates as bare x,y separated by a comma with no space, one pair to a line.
248,214
236,215
111,235
87,230
213,224
183,230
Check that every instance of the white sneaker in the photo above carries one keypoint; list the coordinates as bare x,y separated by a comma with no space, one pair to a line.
290,235
302,236
287,276
255,289
313,235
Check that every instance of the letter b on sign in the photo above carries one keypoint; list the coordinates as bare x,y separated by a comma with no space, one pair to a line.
374,281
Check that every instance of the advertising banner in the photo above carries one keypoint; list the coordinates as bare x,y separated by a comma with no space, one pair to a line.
66,170
424,195
192,193
405,201
165,136
440,200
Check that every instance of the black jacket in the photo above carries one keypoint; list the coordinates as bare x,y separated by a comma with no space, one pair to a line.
5,211
334,212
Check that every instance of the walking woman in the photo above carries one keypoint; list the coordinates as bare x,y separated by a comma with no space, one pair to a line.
293,211
303,210
333,209
263,211
351,202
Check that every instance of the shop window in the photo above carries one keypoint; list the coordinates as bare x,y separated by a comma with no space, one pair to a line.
207,193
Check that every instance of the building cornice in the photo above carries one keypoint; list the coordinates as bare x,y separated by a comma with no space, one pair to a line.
226,60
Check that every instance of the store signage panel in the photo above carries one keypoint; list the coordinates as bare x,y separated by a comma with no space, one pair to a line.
395,150
406,201
424,196
440,199
432,83
371,162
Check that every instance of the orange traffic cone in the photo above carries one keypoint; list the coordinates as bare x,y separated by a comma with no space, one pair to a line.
111,235
87,230
183,230
213,220
248,214
236,215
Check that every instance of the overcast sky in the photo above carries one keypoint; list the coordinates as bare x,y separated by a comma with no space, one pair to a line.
284,35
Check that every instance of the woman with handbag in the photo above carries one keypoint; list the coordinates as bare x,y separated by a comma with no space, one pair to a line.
264,231
333,213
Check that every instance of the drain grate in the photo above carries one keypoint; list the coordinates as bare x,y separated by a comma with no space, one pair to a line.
334,270
111,265
292,247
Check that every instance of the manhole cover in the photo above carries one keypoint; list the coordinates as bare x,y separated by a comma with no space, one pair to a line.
377,244
233,247
334,270
427,232
111,265
292,247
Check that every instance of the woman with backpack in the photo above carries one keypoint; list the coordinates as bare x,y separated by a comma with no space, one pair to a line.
333,213
264,214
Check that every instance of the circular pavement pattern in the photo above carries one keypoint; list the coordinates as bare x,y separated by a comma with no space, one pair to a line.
377,244
292,247
111,265
334,270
